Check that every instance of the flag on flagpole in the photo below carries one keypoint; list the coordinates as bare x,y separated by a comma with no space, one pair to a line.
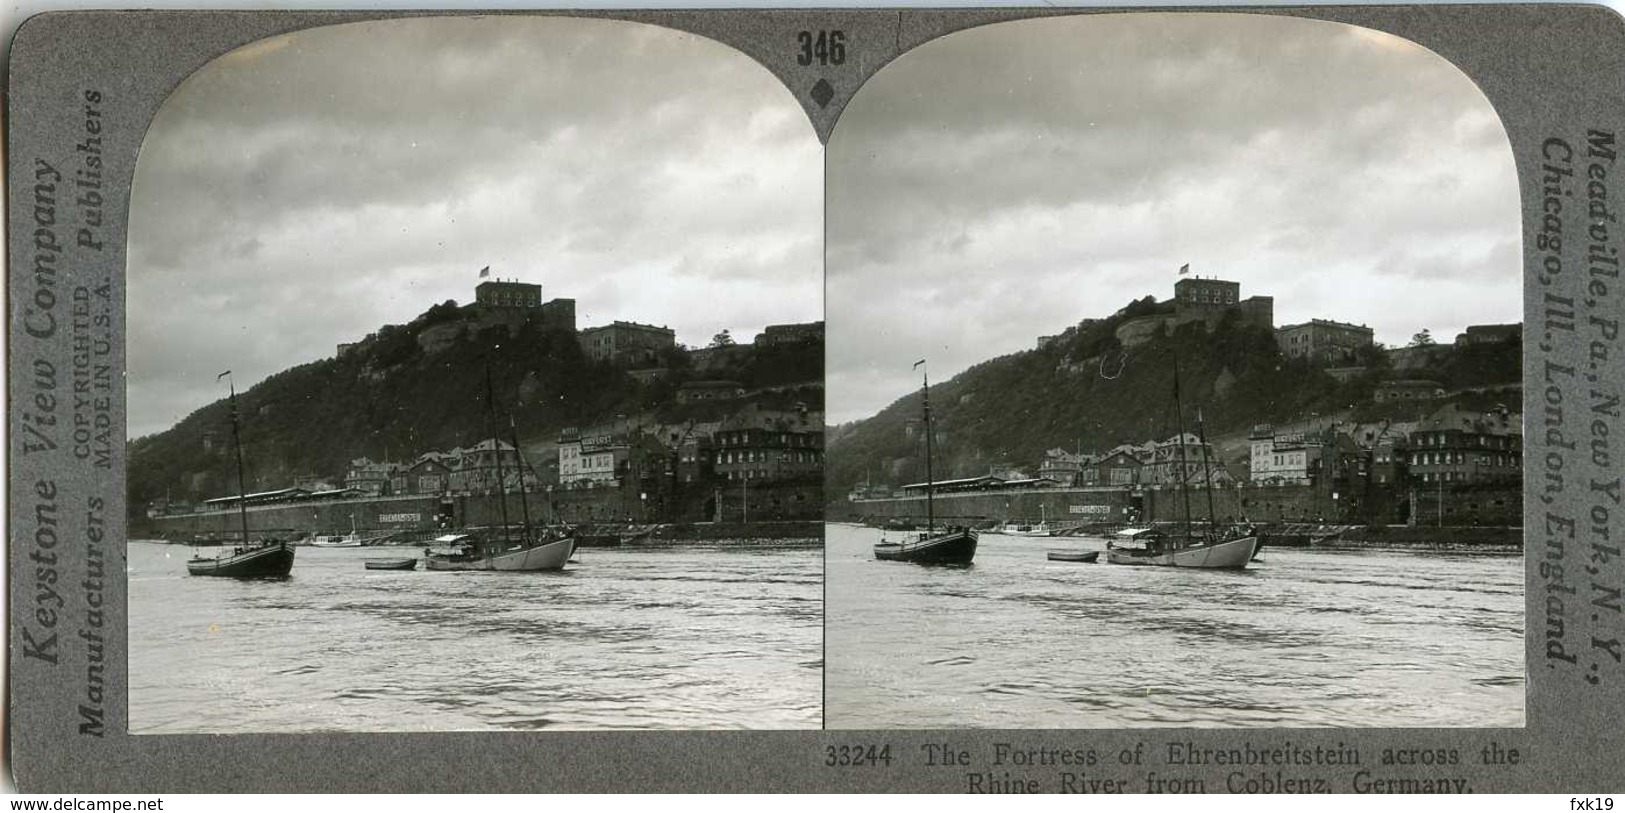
1184,269
486,272
918,363
222,375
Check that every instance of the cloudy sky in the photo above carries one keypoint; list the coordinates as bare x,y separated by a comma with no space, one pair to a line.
308,189
1007,182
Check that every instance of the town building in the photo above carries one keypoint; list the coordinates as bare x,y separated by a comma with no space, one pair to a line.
1182,459
1282,459
1198,292
488,467
428,474
558,314
696,458
1463,456
693,391
627,343
961,484
369,478
1199,299
1117,468
1458,446
1490,334
1407,389
759,453
1323,341
508,294
1063,466
774,335
590,461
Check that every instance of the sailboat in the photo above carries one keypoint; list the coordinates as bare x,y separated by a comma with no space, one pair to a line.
1215,548
547,550
268,559
953,545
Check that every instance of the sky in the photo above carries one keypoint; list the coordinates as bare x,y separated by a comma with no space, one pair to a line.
1007,182
307,189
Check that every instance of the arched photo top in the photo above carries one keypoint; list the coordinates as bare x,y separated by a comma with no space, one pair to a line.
1010,179
462,272
319,184
1185,274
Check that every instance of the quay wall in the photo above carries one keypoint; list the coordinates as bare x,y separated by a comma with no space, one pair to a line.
1498,505
377,515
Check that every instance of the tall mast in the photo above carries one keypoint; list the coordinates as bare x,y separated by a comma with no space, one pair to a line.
490,421
524,505
1179,420
237,443
1207,473
925,397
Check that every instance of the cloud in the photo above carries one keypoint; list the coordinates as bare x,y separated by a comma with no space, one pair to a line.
1006,182
307,189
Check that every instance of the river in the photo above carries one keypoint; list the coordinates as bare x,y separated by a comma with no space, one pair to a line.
1302,638
660,638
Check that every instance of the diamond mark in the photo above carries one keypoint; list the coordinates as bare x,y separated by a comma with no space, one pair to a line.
822,93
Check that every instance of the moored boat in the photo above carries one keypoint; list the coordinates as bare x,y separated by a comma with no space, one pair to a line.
954,545
1148,546
1212,548
267,559
391,564
1039,528
950,546
466,552
270,559
1085,556
547,549
336,541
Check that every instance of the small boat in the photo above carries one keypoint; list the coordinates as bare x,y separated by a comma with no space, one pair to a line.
336,541
391,564
954,545
1039,528
267,559
1074,555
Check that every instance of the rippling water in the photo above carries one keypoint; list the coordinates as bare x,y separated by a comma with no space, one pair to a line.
1302,638
683,638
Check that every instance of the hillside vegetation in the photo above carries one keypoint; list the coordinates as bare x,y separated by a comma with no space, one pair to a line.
1085,391
401,393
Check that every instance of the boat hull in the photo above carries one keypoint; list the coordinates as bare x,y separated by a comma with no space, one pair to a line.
952,548
391,564
1232,554
550,556
269,562
336,542
1074,555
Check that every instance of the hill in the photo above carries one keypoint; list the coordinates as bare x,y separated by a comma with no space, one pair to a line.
412,388
1085,391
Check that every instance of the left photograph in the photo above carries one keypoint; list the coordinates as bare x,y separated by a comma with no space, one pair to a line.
476,383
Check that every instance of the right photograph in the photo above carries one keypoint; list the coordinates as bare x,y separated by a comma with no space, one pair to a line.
1173,379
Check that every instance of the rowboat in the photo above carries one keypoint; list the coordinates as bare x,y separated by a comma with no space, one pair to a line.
391,564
